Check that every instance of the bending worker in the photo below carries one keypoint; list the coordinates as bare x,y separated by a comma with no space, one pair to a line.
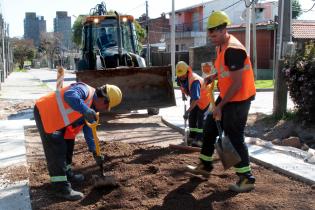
191,85
237,90
59,118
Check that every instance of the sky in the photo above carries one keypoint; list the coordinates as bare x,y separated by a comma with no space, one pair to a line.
14,10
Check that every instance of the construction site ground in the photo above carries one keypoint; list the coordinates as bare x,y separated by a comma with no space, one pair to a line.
151,175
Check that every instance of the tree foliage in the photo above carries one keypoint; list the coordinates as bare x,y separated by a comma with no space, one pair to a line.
22,50
141,34
77,30
296,9
49,45
300,78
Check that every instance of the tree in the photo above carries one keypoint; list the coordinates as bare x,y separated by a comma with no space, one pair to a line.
22,50
141,34
77,30
296,9
50,46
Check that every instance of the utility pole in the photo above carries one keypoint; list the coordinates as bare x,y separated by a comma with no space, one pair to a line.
173,41
254,57
283,37
3,51
247,24
147,30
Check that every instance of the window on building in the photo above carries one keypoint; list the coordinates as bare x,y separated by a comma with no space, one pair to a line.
183,47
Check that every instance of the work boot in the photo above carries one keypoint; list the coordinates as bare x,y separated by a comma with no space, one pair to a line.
72,177
245,183
64,190
201,169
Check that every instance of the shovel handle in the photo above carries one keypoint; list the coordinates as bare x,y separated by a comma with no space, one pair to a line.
218,123
93,126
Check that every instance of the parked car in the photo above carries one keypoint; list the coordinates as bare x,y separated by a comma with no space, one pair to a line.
27,67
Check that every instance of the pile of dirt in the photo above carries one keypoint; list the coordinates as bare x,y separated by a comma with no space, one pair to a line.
267,128
152,177
9,107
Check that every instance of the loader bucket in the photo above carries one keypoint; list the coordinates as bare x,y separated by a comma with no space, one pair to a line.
142,88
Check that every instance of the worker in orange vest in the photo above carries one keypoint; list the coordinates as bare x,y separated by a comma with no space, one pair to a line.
237,90
59,117
192,85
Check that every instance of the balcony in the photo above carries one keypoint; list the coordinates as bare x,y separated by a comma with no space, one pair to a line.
187,34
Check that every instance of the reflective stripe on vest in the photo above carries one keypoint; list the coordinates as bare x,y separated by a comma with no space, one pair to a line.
247,88
55,113
204,99
65,112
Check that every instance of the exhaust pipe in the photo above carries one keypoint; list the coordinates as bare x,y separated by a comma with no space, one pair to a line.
119,37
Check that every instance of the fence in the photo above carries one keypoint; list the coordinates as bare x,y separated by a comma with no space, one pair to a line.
164,58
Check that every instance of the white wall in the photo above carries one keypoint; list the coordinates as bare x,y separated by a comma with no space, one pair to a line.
234,12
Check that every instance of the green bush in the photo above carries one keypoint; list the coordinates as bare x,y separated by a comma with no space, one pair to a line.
300,78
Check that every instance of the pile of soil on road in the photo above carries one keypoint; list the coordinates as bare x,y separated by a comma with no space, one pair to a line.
9,107
152,177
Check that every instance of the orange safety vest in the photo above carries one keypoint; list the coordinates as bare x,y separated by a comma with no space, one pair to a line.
56,113
204,99
72,132
224,81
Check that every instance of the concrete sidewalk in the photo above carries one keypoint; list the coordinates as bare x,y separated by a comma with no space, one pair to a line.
26,85
18,86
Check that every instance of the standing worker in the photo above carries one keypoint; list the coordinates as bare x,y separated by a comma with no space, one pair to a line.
59,118
237,90
192,85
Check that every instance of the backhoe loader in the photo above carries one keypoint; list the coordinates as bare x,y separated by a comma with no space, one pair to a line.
110,54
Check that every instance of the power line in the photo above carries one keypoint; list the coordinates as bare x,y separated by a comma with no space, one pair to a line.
310,8
231,5
140,5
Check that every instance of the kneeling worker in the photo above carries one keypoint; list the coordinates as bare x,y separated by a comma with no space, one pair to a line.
59,118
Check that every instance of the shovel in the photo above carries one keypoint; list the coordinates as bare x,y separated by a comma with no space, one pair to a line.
102,180
226,151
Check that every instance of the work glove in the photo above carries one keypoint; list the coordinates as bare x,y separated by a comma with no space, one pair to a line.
184,98
186,115
90,115
99,159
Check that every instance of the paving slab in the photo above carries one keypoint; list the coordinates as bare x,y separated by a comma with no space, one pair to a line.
13,153
287,160
15,196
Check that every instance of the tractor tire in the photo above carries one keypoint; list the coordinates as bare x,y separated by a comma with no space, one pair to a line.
153,111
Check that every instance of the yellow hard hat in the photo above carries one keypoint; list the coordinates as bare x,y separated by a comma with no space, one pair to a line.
181,68
114,95
218,18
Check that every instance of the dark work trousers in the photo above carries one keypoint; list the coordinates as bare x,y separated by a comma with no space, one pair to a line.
234,117
58,151
195,122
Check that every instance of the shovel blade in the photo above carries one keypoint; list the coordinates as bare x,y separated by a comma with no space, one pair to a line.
227,153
